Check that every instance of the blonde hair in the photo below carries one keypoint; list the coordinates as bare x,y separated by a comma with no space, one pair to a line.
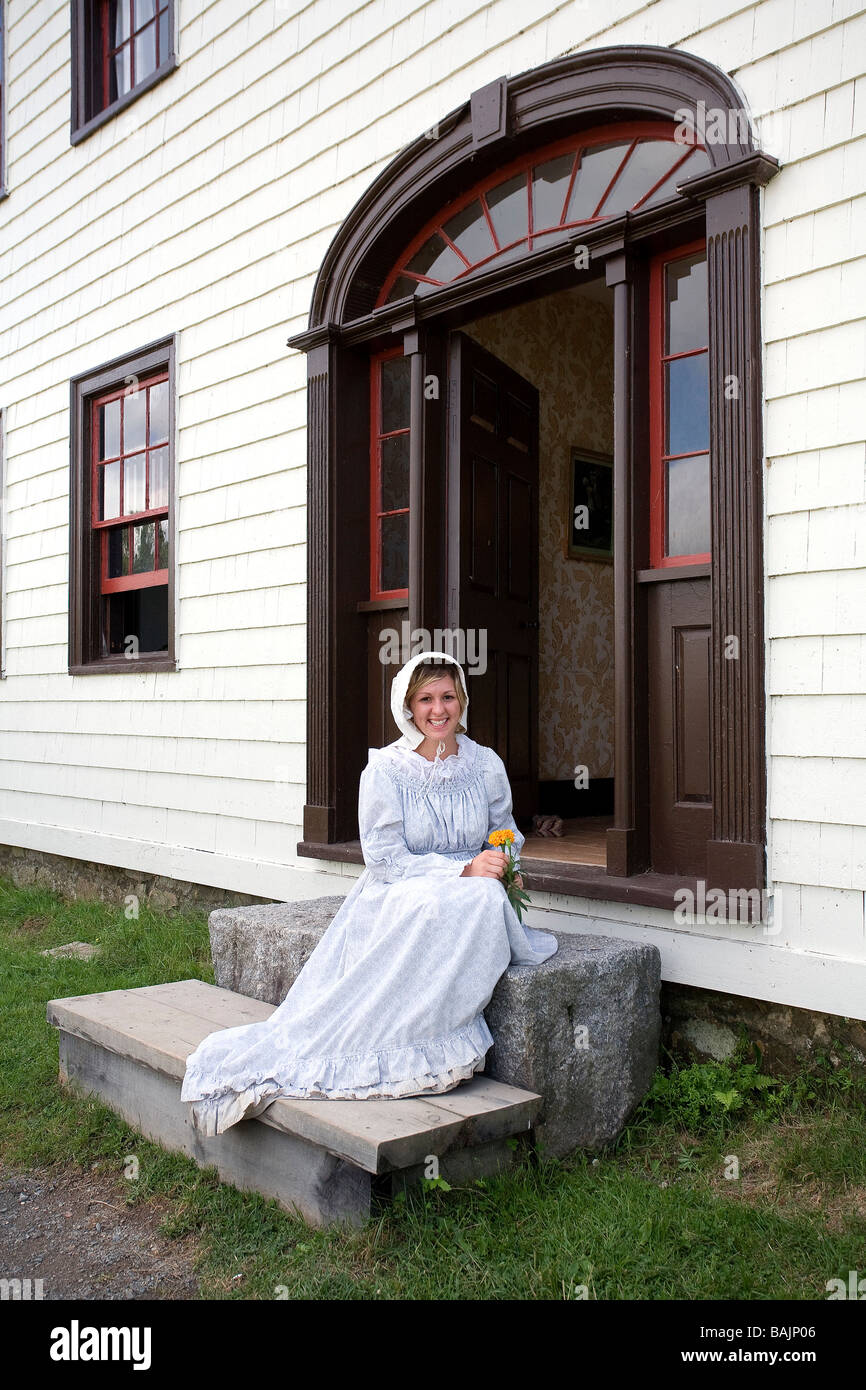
425,672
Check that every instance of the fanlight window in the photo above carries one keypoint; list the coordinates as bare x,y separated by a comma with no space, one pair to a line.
537,201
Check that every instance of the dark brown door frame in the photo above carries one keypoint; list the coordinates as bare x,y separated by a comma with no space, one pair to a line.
344,328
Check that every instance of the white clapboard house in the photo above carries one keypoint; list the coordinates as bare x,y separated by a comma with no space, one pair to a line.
331,330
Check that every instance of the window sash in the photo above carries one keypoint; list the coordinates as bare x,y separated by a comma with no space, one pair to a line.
91,603
107,526
660,458
377,513
93,51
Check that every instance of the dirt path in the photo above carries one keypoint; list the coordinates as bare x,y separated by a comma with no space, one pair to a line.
74,1231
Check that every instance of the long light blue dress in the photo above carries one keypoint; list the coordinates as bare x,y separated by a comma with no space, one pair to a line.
390,1003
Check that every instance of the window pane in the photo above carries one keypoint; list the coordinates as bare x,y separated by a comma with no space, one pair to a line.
109,430
158,430
549,187
597,167
688,506
134,407
120,78
650,159
158,478
163,36
144,10
109,481
145,52
143,542
118,552
509,210
542,239
133,484
688,405
395,394
698,162
436,260
118,21
162,536
142,613
469,230
395,472
401,287
395,551
686,303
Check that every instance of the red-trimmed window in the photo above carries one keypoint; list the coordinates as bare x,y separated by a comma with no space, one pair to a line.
538,199
389,475
130,502
121,47
679,408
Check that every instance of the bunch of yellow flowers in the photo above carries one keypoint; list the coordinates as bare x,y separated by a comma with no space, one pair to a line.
516,896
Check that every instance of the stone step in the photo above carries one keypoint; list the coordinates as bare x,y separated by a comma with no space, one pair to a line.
582,1030
324,1159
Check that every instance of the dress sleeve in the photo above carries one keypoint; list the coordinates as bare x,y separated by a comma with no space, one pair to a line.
383,838
499,802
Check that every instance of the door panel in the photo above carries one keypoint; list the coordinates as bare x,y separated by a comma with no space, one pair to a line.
493,552
681,813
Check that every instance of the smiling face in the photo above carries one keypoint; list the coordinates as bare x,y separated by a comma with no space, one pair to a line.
436,709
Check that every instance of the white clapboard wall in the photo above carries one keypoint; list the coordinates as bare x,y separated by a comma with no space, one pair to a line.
204,210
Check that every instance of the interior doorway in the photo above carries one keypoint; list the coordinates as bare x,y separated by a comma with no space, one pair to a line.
529,465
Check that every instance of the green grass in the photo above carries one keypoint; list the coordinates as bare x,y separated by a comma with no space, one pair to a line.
654,1217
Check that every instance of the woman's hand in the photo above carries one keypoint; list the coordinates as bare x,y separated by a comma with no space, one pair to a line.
490,863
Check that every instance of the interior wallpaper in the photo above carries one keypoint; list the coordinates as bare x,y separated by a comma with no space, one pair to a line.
564,345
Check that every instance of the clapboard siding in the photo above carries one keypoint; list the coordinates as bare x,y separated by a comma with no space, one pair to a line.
811,604
204,210
824,478
814,240
823,358
178,763
807,852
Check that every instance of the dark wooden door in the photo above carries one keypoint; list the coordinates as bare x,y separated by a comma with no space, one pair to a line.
492,542
678,675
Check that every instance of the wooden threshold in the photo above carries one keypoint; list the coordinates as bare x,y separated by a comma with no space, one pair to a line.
563,877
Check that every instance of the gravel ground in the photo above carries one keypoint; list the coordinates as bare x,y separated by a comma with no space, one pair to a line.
73,1230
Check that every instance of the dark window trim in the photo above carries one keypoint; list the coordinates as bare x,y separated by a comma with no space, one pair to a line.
80,128
722,204
83,557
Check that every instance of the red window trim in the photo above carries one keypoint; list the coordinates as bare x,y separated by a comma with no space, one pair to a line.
658,357
146,578
376,438
628,132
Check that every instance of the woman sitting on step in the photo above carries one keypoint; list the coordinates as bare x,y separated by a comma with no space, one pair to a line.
390,1003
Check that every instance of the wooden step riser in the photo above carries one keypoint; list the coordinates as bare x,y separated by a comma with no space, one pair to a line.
303,1177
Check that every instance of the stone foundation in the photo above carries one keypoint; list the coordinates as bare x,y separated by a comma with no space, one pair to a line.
700,1025
80,878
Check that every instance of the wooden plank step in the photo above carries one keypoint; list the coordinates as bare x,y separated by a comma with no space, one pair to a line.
130,1047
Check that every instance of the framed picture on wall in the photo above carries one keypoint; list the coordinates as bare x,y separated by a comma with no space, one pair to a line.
589,524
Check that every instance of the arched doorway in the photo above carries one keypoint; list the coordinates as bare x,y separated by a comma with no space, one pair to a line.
574,174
